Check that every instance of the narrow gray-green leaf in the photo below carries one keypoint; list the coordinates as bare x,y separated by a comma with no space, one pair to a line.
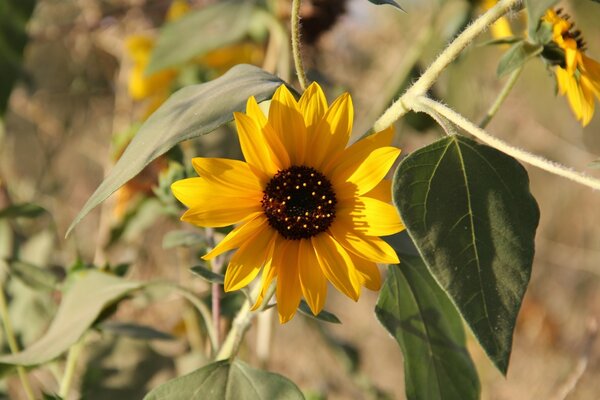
182,238
35,277
595,163
419,315
79,308
225,380
517,56
190,112
200,31
535,10
208,275
469,211
25,210
135,331
390,2
324,315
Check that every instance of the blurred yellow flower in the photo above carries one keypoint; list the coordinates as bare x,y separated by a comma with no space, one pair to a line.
501,28
578,76
309,210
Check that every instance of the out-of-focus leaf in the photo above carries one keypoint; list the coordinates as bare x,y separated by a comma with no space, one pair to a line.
134,331
26,210
324,315
190,112
81,305
535,10
469,211
182,238
419,315
595,163
199,32
500,41
51,396
390,2
33,276
225,380
208,275
517,55
14,15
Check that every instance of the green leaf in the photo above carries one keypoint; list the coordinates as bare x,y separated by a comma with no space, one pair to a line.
208,275
517,55
469,211
200,31
190,112
419,315
25,210
225,380
182,238
14,15
595,163
501,41
535,10
80,306
390,2
324,315
134,331
33,276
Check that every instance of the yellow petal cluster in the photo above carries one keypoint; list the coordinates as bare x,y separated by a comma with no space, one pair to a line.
309,210
579,77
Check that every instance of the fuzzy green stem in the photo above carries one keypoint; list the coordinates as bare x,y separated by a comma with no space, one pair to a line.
510,83
14,347
422,85
72,358
424,104
295,23
241,324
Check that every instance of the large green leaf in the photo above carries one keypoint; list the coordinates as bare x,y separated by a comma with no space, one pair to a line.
190,112
199,32
225,380
14,15
79,308
419,315
469,211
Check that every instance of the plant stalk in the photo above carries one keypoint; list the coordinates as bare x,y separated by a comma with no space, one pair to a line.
510,83
295,24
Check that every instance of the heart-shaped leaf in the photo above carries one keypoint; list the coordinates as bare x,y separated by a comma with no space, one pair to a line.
419,315
469,211
225,380
190,112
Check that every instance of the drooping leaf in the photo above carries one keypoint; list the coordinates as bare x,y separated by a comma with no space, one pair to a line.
390,2
324,315
225,380
190,112
535,10
517,56
14,15
419,315
208,275
595,163
200,31
469,211
135,331
32,275
79,308
182,238
25,210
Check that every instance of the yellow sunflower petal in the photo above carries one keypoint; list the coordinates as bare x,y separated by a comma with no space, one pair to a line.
365,174
333,132
381,192
279,152
369,216
288,282
269,273
368,273
229,173
587,99
313,106
369,247
200,192
248,260
592,70
288,123
254,146
255,225
562,80
312,280
336,265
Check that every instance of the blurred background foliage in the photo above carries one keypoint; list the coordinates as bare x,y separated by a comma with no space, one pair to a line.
78,77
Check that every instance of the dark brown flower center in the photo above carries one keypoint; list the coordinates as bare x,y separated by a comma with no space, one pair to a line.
299,202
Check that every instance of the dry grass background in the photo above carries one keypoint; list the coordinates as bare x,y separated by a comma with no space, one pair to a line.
57,146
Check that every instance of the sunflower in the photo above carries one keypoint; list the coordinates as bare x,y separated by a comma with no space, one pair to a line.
309,210
577,76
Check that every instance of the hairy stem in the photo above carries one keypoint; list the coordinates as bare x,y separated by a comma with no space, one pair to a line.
429,106
295,23
427,79
510,83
